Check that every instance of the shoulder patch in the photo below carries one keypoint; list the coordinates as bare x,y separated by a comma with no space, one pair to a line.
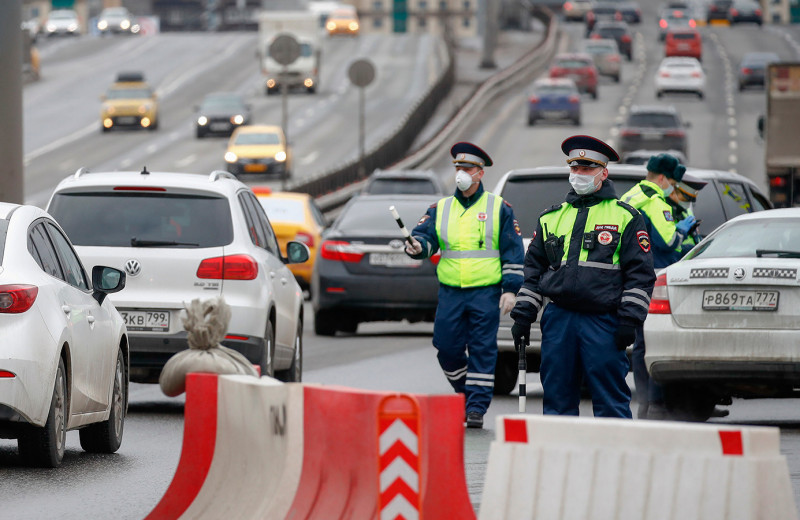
424,219
644,240
633,211
668,216
552,208
516,228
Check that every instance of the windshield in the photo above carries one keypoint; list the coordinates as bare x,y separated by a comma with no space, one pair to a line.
283,210
62,15
778,237
374,215
653,120
555,90
257,139
129,93
115,219
223,102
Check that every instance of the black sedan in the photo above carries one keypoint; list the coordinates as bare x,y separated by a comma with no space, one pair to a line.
745,11
362,273
221,113
753,68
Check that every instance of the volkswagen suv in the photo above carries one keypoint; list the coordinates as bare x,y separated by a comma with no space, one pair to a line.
179,237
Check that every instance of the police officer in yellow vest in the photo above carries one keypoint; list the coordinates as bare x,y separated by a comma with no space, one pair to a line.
479,273
591,256
681,200
668,235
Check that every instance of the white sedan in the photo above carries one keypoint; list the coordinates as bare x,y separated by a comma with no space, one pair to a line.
680,74
64,348
725,321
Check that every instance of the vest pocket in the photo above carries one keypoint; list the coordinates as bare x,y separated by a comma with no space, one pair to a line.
603,246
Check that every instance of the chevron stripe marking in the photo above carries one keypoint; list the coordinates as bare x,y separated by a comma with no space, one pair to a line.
399,450
399,507
399,469
398,431
399,487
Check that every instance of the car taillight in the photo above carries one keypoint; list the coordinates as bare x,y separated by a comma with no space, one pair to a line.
625,38
746,70
758,12
629,133
734,12
692,23
533,99
6,373
664,74
16,299
590,17
556,71
233,267
618,16
695,74
675,133
568,6
595,36
613,57
305,238
574,99
778,182
341,251
662,23
659,303
435,258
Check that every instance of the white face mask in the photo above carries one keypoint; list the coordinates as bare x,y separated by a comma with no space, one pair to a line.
583,184
463,180
668,190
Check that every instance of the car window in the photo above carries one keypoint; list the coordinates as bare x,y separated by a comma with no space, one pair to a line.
653,120
244,139
42,250
760,202
73,270
683,36
373,215
113,219
254,228
734,199
708,208
271,241
319,217
555,90
283,210
410,186
529,196
744,238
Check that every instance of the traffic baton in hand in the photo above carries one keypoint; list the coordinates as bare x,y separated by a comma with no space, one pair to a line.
523,371
402,226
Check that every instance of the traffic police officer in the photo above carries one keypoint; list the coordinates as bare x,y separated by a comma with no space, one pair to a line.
680,200
591,256
479,273
667,235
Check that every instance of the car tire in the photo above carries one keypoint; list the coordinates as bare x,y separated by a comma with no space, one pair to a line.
200,134
324,323
311,90
688,403
154,126
506,372
267,364
106,436
531,121
349,325
659,94
294,374
700,95
576,121
617,78
44,446
594,94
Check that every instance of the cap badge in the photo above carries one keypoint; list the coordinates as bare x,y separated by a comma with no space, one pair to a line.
582,153
461,156
482,216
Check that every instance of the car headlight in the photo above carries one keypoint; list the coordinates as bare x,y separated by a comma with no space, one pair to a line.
280,156
331,26
230,157
353,26
125,24
202,120
72,27
51,28
238,119
102,25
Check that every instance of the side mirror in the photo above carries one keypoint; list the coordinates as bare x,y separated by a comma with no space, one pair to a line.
106,280
296,253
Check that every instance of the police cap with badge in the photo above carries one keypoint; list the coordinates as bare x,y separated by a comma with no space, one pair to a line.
468,155
584,150
689,185
667,165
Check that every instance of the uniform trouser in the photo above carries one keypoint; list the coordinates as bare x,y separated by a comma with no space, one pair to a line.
466,323
578,346
647,390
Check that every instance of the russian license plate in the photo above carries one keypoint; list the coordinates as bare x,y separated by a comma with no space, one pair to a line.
127,120
393,260
553,114
148,321
651,135
740,300
219,127
255,167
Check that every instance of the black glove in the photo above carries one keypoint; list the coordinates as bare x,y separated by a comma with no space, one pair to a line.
625,335
521,333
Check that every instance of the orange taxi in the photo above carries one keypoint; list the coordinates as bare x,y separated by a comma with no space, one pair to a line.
294,216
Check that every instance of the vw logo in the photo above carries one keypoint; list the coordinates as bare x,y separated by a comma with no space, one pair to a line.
133,267
739,273
396,244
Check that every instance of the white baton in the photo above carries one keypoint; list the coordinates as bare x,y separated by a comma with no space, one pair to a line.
399,221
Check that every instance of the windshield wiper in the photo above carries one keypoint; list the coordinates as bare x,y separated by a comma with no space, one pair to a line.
157,243
780,253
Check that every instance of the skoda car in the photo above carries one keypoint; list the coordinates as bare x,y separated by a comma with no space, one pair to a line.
180,237
129,102
532,190
64,353
259,149
723,321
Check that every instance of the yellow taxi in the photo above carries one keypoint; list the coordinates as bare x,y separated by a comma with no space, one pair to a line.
258,149
294,216
130,102
342,21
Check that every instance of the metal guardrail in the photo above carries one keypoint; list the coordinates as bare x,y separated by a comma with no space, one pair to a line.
333,188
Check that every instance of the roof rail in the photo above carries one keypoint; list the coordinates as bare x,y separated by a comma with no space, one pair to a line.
218,174
80,171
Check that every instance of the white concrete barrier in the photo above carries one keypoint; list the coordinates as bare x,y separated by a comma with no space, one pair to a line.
548,467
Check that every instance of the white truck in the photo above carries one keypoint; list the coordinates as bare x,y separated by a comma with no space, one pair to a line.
304,71
779,130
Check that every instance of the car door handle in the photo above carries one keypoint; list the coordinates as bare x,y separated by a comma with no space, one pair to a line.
284,281
272,274
66,309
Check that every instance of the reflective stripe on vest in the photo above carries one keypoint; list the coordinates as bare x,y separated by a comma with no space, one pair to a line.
469,245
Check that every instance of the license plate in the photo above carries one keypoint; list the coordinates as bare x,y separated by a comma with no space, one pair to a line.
218,127
149,321
393,260
554,114
651,135
255,167
740,300
127,120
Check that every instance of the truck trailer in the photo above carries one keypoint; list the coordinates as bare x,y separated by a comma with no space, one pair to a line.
779,129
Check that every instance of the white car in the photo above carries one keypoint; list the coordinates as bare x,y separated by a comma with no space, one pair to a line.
183,236
680,74
117,20
64,353
725,321
62,22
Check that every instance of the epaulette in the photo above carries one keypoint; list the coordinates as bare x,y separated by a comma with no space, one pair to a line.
648,191
507,203
433,205
552,208
627,206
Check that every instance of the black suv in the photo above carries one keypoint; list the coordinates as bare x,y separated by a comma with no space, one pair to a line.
532,190
718,10
221,113
412,182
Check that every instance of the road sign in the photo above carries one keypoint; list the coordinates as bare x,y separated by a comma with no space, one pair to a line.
284,49
361,72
